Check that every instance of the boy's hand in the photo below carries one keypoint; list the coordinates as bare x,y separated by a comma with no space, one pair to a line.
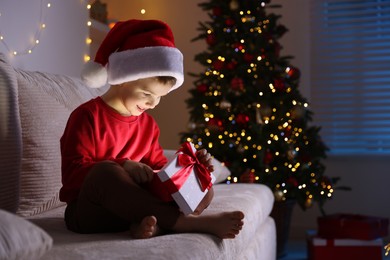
139,172
205,158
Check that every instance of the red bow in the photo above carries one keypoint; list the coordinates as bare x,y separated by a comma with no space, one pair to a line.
188,160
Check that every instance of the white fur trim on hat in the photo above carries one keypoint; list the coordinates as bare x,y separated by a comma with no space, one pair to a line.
94,74
130,65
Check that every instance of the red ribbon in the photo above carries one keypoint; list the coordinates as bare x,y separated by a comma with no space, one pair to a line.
186,158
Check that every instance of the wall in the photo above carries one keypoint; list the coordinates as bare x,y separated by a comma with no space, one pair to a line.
62,43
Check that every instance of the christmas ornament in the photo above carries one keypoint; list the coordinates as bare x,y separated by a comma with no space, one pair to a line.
225,104
202,88
265,111
238,47
248,176
291,154
279,84
231,65
234,5
279,196
218,64
230,22
215,124
308,203
248,57
217,11
298,112
268,157
237,84
211,40
242,119
293,181
293,73
259,120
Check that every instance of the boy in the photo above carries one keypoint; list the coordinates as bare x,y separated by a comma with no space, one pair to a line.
110,150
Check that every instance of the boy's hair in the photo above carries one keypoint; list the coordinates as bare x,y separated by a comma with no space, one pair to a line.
166,80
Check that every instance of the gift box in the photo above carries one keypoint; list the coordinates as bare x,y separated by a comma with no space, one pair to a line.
352,226
186,179
341,249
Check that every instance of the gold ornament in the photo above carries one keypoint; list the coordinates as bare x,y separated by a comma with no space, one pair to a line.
308,203
279,196
234,5
259,120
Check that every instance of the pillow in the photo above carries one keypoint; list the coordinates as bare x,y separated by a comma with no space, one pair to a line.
21,239
10,138
45,103
221,172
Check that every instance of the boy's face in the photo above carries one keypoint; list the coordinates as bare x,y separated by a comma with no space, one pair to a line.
141,95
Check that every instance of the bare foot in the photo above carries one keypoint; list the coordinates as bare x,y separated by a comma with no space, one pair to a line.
223,225
146,229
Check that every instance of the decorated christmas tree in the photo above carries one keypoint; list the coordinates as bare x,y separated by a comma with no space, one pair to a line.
246,108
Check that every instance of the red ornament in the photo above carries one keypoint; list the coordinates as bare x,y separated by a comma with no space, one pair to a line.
248,177
215,123
248,57
288,131
231,65
210,39
217,11
237,84
229,22
238,46
293,181
279,84
268,157
293,73
218,65
202,88
242,119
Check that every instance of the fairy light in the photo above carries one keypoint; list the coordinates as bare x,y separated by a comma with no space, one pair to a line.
37,35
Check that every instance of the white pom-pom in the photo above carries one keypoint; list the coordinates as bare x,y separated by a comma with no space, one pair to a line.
94,75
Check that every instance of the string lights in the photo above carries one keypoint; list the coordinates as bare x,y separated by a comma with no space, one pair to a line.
33,43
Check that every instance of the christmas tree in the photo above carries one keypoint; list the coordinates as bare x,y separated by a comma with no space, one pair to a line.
246,108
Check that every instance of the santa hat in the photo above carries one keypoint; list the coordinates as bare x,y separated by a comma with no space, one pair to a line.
132,50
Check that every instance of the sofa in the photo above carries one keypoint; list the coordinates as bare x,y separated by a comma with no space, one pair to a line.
34,107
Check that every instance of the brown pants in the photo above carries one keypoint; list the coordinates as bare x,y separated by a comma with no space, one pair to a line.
110,201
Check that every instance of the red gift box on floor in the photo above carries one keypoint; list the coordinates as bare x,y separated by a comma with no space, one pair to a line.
342,249
352,226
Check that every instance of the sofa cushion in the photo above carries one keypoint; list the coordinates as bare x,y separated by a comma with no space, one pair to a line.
10,138
51,98
21,239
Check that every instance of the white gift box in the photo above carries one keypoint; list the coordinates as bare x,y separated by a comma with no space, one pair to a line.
190,194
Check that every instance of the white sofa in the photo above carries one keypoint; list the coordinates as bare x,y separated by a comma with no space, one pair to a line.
34,107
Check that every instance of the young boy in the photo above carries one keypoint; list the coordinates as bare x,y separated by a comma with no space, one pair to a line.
110,149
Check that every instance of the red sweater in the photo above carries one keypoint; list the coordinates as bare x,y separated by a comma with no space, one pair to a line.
95,132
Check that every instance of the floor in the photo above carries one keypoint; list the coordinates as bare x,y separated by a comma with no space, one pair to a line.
296,250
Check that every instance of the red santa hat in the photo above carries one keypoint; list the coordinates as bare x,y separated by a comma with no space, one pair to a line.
132,50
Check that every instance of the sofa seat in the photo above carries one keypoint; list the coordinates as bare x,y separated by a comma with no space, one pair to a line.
256,240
